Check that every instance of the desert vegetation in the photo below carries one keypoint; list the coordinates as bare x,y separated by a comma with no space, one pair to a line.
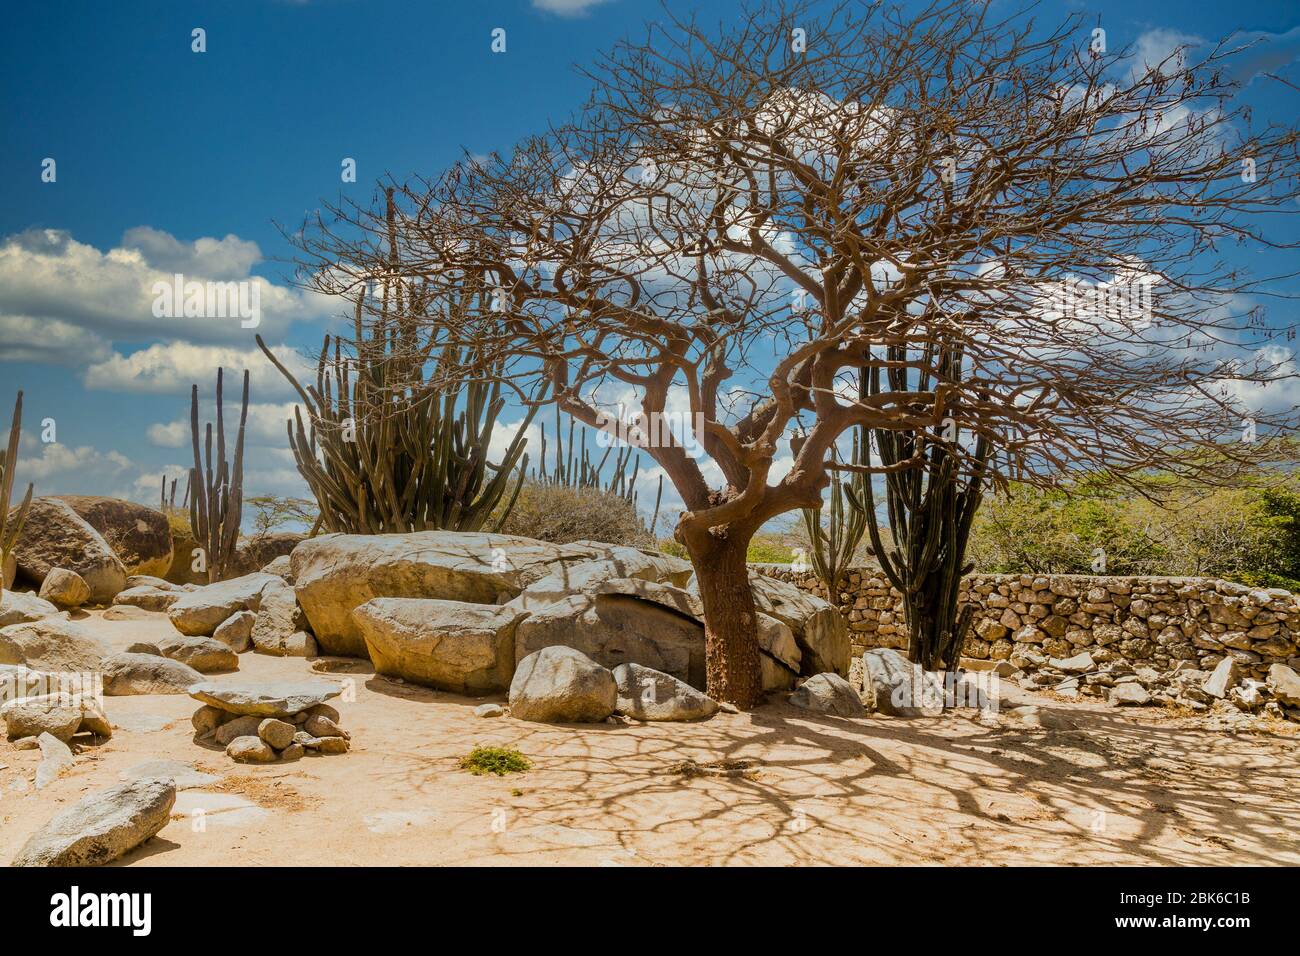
846,406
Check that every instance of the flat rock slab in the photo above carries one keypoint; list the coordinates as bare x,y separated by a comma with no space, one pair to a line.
101,827
140,723
218,809
277,699
182,775
55,758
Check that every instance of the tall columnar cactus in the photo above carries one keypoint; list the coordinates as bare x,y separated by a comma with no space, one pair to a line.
931,506
11,527
217,488
833,545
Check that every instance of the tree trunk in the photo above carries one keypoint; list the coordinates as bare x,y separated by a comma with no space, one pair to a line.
730,622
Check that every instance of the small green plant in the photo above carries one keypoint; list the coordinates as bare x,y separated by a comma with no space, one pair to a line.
497,760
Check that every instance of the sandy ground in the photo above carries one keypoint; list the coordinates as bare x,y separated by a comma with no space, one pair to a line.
1127,787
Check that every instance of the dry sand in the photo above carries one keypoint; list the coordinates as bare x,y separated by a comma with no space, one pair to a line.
1127,787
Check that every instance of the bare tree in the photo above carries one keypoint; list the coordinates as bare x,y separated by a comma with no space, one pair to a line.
745,215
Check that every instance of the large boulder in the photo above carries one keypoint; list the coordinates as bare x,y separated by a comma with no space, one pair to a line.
65,589
129,674
278,628
647,694
184,544
819,628
206,655
199,612
140,536
51,644
148,597
57,715
336,573
102,826
615,629
55,536
828,694
560,685
61,715
677,648
20,607
452,645
255,553
275,699
894,685
1284,684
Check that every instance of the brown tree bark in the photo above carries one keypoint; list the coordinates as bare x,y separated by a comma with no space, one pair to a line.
731,622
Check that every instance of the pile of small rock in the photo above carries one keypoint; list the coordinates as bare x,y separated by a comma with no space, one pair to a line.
1221,691
263,723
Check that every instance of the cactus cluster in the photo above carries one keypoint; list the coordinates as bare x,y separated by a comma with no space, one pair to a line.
217,485
11,526
833,545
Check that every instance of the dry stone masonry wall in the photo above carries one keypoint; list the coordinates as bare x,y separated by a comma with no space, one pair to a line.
1150,622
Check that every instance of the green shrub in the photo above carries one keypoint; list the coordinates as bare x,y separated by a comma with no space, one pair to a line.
1249,534
497,760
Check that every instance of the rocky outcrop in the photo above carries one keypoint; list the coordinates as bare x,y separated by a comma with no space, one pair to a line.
102,826
201,611
452,645
646,694
51,644
139,536
614,629
334,574
818,628
55,536
562,685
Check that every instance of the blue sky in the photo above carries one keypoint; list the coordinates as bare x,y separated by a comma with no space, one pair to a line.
170,160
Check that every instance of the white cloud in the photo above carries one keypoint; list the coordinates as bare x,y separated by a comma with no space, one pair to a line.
567,8
266,423
174,367
57,461
53,287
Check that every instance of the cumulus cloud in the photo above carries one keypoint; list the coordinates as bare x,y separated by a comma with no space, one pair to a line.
266,423
58,461
54,287
173,367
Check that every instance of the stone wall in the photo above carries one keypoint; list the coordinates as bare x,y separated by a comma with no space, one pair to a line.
1150,622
